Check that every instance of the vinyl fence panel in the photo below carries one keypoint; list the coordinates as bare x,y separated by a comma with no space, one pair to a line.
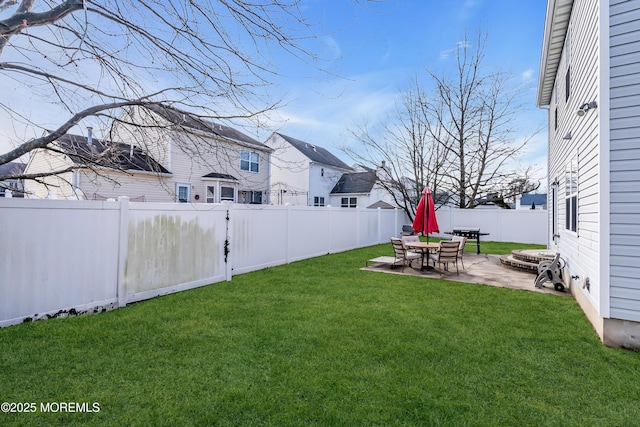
59,256
56,257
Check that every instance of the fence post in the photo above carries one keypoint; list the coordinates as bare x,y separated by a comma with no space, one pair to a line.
379,225
228,243
358,228
288,233
329,214
123,247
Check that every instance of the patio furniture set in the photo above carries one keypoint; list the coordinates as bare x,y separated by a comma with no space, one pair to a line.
409,249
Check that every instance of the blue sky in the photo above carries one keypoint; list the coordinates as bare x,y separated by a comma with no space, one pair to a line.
371,49
375,49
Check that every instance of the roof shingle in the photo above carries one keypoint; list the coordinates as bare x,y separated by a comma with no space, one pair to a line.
316,153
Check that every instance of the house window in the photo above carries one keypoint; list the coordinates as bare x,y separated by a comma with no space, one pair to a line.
349,202
252,197
256,197
249,161
321,171
183,193
227,194
318,201
211,194
571,196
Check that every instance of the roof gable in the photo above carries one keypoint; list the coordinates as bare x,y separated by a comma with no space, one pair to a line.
316,153
107,154
187,120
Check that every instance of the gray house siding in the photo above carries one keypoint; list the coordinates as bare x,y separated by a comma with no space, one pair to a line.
577,139
624,26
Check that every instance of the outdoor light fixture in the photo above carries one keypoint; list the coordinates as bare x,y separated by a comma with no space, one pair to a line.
586,107
568,135
555,183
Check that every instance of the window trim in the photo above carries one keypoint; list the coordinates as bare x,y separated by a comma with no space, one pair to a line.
349,202
247,161
251,197
227,199
180,185
206,194
571,196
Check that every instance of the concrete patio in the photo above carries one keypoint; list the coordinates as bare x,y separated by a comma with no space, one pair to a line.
481,269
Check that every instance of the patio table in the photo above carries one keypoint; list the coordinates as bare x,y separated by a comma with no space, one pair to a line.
425,248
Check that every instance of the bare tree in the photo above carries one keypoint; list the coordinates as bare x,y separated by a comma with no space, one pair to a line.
88,60
405,148
457,137
472,117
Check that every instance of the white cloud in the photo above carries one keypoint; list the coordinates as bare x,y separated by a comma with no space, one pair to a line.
527,76
331,48
461,44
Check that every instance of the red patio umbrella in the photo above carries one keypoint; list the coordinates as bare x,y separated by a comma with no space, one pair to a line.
425,221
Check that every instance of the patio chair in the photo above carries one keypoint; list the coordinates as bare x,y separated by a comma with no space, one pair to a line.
413,238
463,241
403,256
447,253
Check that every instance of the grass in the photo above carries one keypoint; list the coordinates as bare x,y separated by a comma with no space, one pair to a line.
320,342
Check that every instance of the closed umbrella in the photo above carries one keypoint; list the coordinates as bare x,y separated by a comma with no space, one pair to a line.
425,221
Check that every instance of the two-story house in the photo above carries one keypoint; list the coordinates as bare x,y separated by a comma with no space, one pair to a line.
590,83
162,155
302,173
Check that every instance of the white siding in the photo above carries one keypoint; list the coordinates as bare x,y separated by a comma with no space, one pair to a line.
190,156
580,249
289,173
59,186
625,159
142,187
322,179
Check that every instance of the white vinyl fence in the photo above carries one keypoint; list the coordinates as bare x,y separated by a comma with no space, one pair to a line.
503,225
61,257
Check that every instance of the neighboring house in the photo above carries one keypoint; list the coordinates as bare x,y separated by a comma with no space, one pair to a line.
302,173
123,168
361,189
531,201
180,158
590,83
12,187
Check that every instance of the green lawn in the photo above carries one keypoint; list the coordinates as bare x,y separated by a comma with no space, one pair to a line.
320,342
498,248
